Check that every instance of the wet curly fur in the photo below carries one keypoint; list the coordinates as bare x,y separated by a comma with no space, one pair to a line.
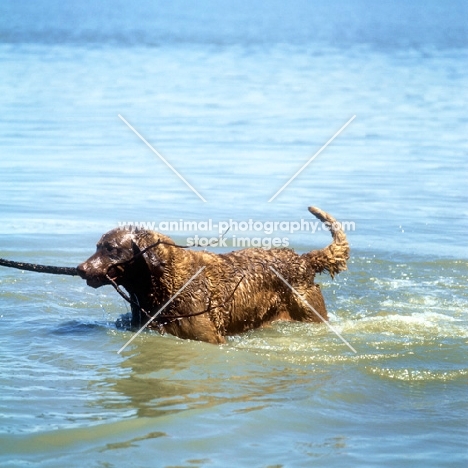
238,290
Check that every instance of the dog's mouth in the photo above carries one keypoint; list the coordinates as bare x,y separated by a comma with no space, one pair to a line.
96,282
92,280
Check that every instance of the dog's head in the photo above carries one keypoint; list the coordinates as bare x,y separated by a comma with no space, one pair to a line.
121,256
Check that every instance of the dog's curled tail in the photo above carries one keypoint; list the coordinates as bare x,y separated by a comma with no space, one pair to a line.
334,257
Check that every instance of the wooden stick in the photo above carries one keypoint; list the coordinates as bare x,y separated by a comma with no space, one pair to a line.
55,270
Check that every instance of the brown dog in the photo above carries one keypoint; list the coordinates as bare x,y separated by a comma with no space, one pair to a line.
233,293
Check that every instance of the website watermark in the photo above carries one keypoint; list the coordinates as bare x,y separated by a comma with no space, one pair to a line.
233,233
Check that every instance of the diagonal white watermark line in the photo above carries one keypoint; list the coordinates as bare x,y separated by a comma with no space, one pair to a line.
311,159
313,310
181,177
160,310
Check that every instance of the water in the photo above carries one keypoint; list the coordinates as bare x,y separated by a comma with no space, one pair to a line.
237,97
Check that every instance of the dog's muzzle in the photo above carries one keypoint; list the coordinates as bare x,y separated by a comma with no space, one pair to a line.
95,281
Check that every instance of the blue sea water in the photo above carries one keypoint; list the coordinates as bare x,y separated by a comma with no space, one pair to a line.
237,97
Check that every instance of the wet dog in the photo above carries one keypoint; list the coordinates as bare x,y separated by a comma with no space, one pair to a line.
209,296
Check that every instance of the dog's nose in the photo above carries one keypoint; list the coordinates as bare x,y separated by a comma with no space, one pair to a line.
81,270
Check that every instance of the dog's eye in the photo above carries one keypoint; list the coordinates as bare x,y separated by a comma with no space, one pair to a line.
109,249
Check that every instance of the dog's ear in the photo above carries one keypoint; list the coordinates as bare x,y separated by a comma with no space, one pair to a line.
136,250
154,263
